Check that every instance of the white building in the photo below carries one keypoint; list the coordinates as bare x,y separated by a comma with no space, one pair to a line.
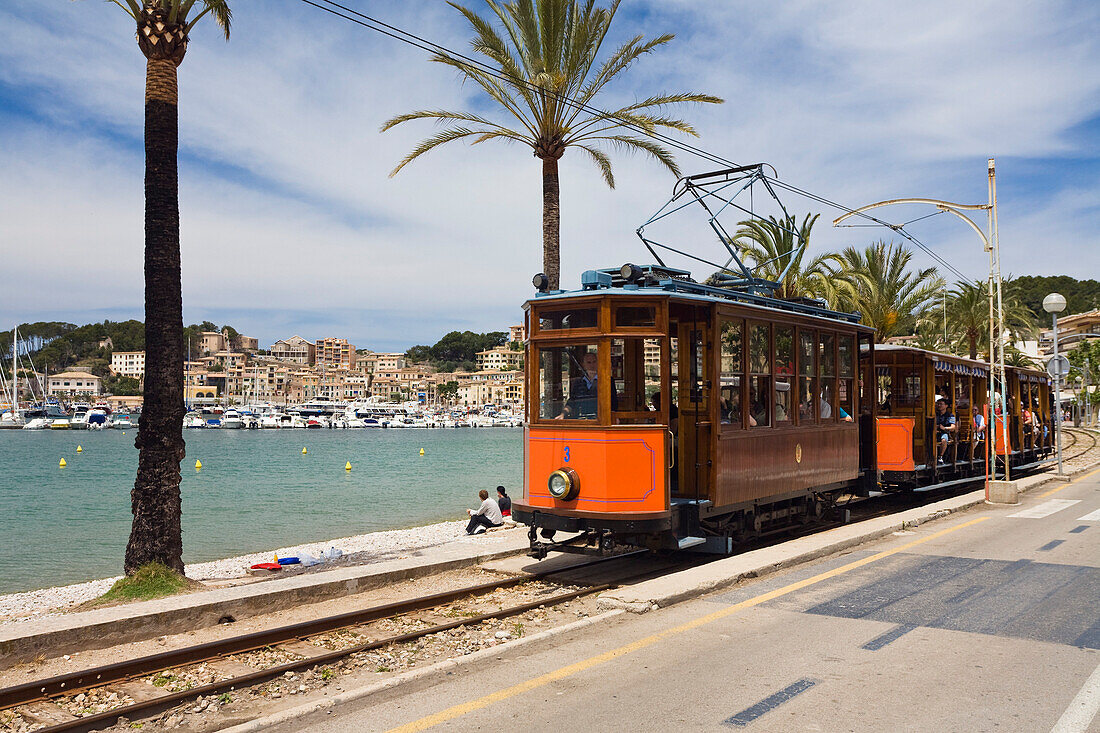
74,383
128,363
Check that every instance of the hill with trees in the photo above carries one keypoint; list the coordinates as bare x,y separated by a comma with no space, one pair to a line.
1080,295
457,351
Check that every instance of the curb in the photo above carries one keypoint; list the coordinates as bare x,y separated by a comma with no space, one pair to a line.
101,628
301,711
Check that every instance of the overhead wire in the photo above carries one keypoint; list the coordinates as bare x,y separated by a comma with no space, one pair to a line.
354,16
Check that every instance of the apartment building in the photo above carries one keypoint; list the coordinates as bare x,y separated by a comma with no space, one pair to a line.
128,363
517,333
389,362
1072,330
500,358
74,383
211,342
335,353
295,349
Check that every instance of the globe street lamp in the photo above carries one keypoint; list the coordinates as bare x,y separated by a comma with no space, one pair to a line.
1055,304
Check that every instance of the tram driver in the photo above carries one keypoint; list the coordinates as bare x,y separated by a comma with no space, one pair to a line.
583,391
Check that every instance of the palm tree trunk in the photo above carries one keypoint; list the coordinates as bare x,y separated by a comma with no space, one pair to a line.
551,221
155,500
973,338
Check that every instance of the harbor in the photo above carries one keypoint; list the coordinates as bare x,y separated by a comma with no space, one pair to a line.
256,490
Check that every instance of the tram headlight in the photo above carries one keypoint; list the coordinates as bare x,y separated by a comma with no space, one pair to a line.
563,484
630,273
541,282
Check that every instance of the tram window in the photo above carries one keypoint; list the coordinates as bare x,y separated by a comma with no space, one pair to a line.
635,372
910,396
733,342
567,319
759,357
784,371
885,394
758,401
635,316
806,372
760,364
826,362
568,382
844,394
845,351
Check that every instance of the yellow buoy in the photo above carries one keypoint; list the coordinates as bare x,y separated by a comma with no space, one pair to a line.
421,451
79,449
62,464
303,451
347,466
276,560
198,465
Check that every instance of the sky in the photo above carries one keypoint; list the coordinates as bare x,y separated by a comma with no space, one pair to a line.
290,223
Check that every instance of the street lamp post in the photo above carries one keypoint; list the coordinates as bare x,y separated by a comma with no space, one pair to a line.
1055,304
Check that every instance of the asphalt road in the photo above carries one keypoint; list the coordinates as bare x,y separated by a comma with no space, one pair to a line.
985,621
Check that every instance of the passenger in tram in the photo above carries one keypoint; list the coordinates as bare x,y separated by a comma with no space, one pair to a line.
945,428
758,404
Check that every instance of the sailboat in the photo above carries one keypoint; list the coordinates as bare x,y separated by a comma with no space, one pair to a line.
13,419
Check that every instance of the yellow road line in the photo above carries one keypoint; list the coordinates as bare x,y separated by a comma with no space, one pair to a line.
458,711
1069,483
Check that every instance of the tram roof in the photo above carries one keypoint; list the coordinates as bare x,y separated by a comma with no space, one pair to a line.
937,356
677,283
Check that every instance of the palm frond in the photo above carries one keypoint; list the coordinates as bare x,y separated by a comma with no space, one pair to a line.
131,7
630,143
443,137
602,162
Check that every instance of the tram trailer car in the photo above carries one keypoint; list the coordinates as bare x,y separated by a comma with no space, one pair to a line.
909,382
763,428
770,420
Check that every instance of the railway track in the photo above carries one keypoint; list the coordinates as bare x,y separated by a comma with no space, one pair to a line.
1086,438
130,680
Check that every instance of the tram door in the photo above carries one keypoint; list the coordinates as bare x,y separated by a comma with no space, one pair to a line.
691,368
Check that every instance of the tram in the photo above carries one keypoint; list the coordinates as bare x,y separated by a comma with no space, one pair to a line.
666,413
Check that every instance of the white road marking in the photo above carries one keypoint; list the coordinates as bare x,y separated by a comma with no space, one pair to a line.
1078,716
1046,508
1091,517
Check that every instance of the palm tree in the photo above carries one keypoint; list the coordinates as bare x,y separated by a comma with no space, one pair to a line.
545,67
769,248
890,296
968,316
162,34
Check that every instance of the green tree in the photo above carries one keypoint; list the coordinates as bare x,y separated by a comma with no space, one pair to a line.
162,35
447,390
418,354
771,246
546,63
968,316
889,295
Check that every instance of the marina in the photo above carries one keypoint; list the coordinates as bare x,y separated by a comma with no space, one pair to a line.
257,489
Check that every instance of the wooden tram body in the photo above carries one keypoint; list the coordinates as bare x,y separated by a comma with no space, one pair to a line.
772,418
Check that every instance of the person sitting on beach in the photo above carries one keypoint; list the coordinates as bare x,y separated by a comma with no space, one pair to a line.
504,502
487,515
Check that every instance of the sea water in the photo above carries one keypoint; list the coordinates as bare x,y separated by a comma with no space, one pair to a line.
256,490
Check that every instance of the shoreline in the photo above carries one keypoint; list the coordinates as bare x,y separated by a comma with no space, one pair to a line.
363,549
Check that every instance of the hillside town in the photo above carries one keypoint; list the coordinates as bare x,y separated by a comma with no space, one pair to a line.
228,368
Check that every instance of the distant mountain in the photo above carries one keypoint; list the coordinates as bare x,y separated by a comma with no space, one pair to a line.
1080,295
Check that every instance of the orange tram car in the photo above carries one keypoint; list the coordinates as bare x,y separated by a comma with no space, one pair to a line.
669,414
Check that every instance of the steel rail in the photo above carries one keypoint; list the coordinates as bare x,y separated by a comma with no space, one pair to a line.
73,682
153,706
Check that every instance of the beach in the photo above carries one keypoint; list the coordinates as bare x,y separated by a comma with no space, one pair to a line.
363,549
